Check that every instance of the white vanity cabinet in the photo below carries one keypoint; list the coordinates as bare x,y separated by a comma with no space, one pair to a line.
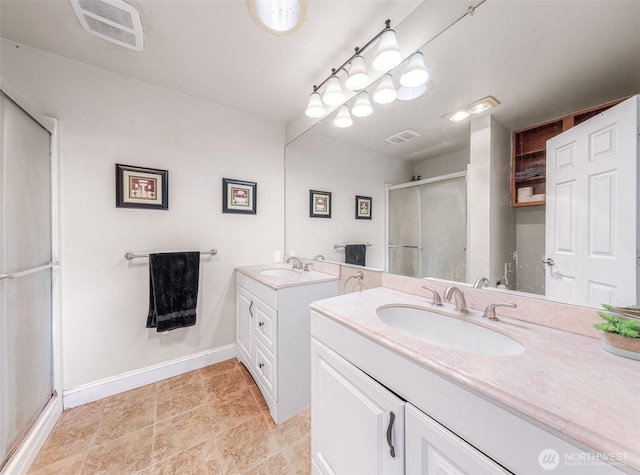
272,339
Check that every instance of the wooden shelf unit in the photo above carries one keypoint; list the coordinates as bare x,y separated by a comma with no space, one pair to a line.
529,150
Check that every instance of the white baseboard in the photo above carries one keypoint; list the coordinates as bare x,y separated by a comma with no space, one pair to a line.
134,379
28,450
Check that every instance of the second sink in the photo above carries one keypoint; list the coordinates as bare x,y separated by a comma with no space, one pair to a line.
448,332
286,273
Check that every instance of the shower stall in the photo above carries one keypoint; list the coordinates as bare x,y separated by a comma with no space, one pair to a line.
427,234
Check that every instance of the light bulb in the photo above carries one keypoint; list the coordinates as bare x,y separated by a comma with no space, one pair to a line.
358,77
458,116
389,54
333,95
415,74
362,106
343,118
315,109
483,106
386,92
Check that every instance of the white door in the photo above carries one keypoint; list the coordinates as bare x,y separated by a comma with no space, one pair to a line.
591,235
357,425
245,309
433,450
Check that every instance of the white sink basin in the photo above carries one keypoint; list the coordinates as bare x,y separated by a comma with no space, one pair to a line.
282,273
447,331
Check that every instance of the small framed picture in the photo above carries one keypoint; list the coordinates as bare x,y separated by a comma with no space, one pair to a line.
238,196
363,207
319,204
138,187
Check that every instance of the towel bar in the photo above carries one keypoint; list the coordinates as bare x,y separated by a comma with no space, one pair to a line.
336,246
132,255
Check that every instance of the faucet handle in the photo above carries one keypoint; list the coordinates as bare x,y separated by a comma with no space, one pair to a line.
437,301
490,311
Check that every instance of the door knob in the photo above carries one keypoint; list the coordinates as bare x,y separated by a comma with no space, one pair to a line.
550,262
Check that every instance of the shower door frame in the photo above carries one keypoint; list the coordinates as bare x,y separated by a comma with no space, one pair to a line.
36,435
462,174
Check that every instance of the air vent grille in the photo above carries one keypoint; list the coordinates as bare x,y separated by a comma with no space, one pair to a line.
403,137
111,20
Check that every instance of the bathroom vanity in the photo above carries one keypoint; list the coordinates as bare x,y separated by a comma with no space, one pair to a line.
272,331
384,402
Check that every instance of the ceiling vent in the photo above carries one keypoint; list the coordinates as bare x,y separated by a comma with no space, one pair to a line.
402,137
111,20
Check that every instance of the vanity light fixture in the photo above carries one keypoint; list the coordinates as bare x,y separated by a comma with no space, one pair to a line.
386,91
387,57
362,106
476,107
415,74
343,118
278,17
315,109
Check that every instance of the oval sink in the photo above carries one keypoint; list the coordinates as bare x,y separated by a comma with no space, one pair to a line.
447,331
284,273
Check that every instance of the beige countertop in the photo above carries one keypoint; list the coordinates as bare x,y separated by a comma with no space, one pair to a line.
563,380
291,278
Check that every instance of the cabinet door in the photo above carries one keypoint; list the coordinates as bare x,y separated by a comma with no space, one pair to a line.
433,450
266,326
357,424
245,308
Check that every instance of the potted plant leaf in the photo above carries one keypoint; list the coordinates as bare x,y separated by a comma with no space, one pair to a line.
621,332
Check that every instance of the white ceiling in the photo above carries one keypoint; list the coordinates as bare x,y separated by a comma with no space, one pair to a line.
540,59
212,49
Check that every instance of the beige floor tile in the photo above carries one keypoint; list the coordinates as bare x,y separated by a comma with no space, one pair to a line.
262,404
190,378
246,445
181,432
299,457
171,402
127,455
218,368
202,459
86,411
245,374
69,466
274,465
223,384
233,410
130,398
118,422
68,438
292,430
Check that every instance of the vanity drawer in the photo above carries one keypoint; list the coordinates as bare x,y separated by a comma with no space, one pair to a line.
266,327
266,366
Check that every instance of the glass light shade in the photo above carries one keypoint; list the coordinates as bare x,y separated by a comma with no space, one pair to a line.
411,93
458,116
358,75
362,107
315,109
343,118
279,17
389,54
333,94
386,91
415,74
483,106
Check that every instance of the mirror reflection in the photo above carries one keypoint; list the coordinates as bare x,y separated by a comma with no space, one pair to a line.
541,61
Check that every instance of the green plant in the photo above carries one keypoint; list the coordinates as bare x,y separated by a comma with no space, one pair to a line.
626,327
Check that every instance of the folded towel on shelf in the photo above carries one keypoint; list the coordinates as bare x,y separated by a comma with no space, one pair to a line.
355,254
173,290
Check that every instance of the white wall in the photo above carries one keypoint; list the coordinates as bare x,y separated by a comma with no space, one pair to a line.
446,164
106,119
314,162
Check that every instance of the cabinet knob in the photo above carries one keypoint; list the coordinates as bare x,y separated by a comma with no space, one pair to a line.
260,324
260,365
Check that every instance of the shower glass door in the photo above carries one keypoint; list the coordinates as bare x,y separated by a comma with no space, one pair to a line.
428,228
26,362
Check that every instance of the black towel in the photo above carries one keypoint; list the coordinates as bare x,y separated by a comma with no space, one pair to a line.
173,290
355,254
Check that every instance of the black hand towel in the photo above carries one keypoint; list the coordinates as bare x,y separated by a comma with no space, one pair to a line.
355,254
173,290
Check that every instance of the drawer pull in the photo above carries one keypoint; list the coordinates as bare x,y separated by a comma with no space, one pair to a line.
392,418
251,309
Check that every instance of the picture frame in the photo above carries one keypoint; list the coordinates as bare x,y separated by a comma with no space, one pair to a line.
363,207
239,196
319,204
140,187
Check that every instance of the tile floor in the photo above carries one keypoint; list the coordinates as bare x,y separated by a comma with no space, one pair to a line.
210,421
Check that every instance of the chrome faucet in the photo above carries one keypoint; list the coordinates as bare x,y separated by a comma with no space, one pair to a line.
461,302
319,257
297,263
481,282
490,311
437,301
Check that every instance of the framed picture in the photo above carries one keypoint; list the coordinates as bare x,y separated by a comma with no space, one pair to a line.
363,207
238,196
319,204
138,187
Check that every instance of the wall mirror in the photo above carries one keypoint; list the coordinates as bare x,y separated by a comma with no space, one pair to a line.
540,60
